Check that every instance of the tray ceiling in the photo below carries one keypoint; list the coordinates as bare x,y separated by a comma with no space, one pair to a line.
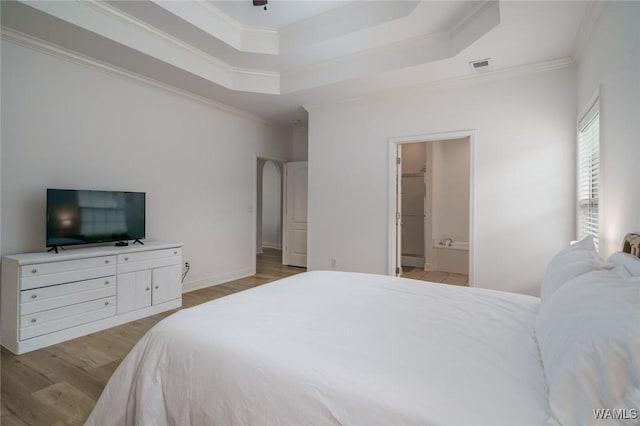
299,52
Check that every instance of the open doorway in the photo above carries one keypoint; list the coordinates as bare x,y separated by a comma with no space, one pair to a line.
269,204
431,209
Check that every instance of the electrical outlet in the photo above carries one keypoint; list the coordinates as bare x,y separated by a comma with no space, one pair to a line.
334,263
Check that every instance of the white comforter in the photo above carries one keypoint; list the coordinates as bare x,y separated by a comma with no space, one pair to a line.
324,348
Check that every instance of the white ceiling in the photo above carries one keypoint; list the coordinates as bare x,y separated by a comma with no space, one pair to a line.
279,13
302,52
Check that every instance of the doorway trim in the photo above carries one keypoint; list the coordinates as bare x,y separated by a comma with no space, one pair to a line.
394,144
254,204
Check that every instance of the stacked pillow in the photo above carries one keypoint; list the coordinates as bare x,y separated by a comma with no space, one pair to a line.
571,262
588,331
630,262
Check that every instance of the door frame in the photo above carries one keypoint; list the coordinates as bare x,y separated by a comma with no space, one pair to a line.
394,145
254,205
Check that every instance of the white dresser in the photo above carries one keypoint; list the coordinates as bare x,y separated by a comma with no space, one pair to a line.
47,298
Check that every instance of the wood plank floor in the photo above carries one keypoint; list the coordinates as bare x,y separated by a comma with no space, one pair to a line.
435,276
60,384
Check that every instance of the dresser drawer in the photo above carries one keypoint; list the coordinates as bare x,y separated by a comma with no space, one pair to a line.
148,260
39,269
149,255
67,277
69,316
56,296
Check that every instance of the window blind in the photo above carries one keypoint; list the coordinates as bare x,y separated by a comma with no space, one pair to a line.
589,174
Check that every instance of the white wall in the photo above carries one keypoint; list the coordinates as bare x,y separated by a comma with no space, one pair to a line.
300,143
450,207
524,173
610,63
271,202
66,125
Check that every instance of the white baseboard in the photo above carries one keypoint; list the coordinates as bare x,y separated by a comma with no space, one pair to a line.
417,262
218,279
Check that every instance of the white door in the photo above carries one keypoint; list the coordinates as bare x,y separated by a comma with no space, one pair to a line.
295,214
428,208
399,211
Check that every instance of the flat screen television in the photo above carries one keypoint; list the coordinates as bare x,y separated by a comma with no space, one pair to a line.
88,217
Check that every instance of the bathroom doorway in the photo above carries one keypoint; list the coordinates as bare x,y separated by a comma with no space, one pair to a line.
432,205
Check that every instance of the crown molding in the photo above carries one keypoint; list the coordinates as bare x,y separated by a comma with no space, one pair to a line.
111,11
30,42
404,53
587,24
218,24
106,20
464,81
103,19
360,14
400,54
214,11
478,9
248,80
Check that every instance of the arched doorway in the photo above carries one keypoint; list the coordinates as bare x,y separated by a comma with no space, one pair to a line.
271,206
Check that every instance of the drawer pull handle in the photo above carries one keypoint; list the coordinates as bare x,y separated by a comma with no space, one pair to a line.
148,288
33,296
106,283
156,287
106,303
33,320
175,252
33,271
106,261
126,258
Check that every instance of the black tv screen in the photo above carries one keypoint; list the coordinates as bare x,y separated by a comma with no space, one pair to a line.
87,217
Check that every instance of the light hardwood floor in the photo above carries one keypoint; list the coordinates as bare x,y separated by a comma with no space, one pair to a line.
60,384
435,276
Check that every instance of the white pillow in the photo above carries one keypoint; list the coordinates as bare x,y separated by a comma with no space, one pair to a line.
629,261
589,339
575,260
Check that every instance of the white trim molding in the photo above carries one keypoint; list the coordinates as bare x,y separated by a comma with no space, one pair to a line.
46,47
213,21
587,24
464,81
217,279
107,21
224,68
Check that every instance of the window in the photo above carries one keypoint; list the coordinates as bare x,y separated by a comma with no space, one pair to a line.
589,173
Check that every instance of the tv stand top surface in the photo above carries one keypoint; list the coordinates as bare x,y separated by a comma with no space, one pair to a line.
72,252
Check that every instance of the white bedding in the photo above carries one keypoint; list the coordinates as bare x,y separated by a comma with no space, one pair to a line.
336,348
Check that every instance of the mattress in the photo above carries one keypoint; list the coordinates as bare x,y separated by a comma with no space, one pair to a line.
325,348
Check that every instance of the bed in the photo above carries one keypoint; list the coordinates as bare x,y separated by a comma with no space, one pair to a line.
325,348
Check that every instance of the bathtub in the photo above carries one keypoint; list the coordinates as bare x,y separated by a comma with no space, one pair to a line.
456,245
453,258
